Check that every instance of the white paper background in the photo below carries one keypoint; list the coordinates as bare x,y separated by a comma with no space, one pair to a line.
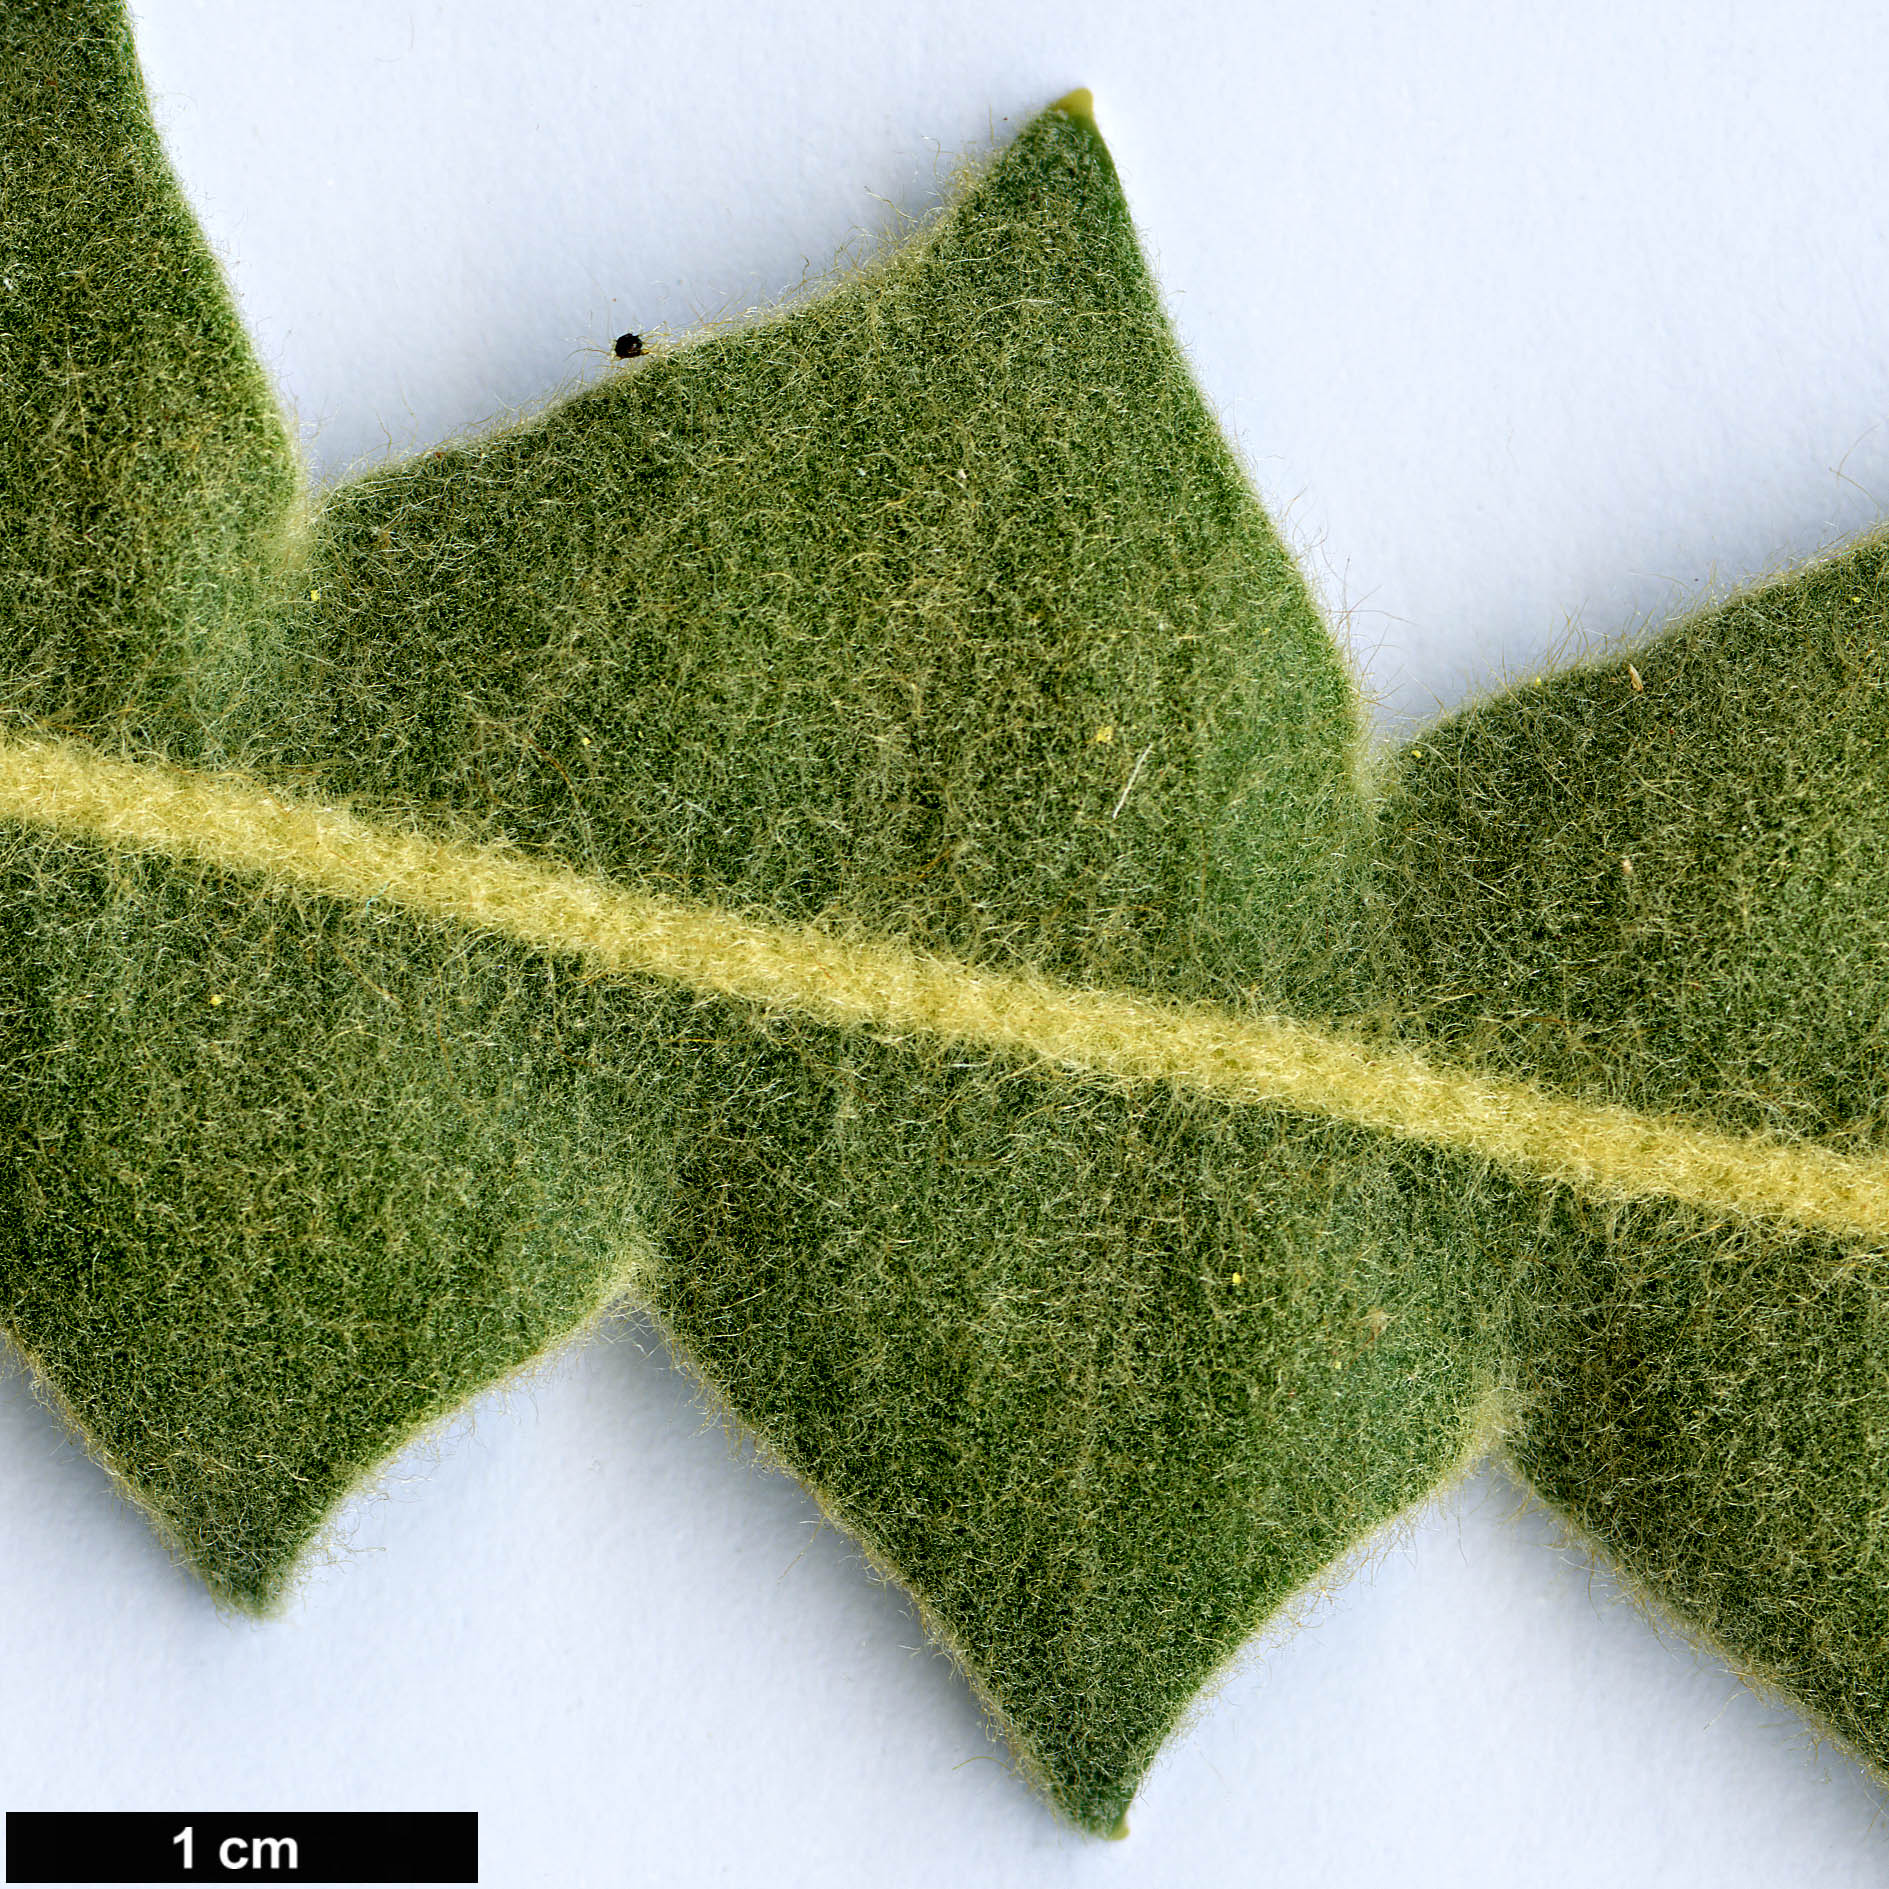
1533,326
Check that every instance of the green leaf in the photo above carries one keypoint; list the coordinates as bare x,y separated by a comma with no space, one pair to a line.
852,835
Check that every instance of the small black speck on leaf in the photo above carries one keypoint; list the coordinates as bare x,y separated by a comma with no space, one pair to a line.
629,347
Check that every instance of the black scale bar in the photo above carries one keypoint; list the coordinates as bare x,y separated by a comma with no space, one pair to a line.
340,1846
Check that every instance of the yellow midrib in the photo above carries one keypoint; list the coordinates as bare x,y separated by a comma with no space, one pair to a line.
228,821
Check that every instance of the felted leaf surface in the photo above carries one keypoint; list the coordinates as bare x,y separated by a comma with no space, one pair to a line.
1665,884
854,835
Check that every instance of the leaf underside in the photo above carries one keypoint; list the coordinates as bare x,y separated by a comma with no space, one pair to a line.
935,610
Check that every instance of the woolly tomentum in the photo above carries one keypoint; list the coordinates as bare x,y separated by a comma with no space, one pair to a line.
853,835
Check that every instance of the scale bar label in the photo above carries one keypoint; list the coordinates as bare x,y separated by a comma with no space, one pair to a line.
151,1847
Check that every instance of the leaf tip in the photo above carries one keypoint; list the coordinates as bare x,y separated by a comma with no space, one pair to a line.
1079,105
